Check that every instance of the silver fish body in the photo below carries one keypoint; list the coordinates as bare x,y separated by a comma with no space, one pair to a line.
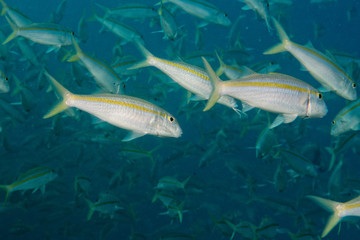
278,93
347,119
131,113
273,92
203,10
322,68
192,78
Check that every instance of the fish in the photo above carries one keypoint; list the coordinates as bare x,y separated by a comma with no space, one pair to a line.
348,119
261,7
329,74
121,30
203,10
43,33
107,204
35,179
171,183
4,83
130,10
16,17
104,75
28,100
58,15
134,114
168,23
192,78
339,210
273,92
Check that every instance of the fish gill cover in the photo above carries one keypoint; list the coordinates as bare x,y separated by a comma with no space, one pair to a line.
125,150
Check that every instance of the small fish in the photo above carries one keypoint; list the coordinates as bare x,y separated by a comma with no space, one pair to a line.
35,179
322,68
261,7
103,74
82,29
28,100
134,114
192,78
348,119
204,10
168,23
58,15
171,183
4,83
273,92
107,204
43,33
340,210
130,10
16,17
123,31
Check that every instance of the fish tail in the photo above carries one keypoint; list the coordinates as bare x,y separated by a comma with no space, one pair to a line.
103,8
63,92
5,7
215,82
7,188
18,86
13,34
221,69
76,56
185,181
283,37
330,206
91,209
147,54
179,211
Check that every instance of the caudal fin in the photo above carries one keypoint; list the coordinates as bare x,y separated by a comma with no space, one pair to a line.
61,92
215,82
147,54
330,206
91,209
7,188
13,34
77,55
283,37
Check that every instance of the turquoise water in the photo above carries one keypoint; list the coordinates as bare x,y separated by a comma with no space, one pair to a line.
228,184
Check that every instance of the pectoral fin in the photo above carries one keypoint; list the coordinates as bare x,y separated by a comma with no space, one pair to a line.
132,136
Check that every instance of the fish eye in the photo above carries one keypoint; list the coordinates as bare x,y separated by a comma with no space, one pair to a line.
72,33
6,79
333,122
171,119
319,95
225,14
353,85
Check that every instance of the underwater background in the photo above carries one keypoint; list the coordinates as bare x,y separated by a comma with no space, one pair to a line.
218,187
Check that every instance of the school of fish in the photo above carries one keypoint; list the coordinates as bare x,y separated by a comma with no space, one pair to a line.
113,116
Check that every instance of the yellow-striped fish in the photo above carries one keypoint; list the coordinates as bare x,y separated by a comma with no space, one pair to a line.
192,78
134,114
103,74
107,204
121,30
273,92
16,17
204,10
35,179
347,119
339,210
43,33
322,68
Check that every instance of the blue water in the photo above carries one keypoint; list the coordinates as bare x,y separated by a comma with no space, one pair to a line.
230,186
